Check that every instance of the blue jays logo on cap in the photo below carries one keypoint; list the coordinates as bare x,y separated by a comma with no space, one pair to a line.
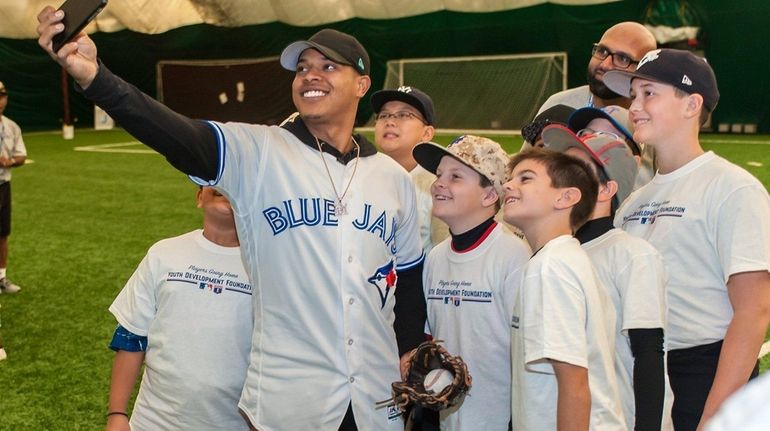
384,279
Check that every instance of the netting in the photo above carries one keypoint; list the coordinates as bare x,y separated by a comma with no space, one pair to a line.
247,90
499,93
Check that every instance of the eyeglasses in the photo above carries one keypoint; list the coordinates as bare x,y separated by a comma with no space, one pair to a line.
584,133
397,116
620,60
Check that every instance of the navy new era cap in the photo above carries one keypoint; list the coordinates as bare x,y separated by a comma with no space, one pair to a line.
409,95
678,68
339,47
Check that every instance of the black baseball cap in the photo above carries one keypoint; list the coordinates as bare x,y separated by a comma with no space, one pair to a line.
409,95
557,114
678,68
339,47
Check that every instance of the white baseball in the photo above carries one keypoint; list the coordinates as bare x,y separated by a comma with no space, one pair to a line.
437,380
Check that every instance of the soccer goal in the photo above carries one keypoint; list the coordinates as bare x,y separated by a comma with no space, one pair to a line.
497,93
247,90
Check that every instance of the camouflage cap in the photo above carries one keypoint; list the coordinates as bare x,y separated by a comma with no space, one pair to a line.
483,155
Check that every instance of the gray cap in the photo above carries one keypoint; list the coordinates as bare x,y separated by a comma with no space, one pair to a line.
612,156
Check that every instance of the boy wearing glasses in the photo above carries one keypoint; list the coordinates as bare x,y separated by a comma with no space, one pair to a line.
708,219
630,270
404,118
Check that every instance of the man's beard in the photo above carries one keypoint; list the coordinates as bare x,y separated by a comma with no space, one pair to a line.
598,88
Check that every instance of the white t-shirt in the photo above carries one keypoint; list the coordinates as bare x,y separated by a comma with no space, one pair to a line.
432,229
709,220
470,297
323,330
11,144
562,314
746,409
192,300
633,275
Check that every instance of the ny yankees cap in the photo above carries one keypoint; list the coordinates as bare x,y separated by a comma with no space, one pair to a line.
3,91
612,156
616,115
339,47
409,95
680,69
557,114
483,155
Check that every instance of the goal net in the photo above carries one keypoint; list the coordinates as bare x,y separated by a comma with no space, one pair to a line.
247,90
481,94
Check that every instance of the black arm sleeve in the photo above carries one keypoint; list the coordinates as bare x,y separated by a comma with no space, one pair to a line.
410,310
189,145
649,379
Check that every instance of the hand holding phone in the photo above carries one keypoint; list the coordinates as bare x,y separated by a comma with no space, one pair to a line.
77,15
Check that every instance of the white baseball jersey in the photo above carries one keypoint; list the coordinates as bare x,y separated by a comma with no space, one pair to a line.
709,220
432,229
562,314
191,298
11,144
323,332
633,275
470,297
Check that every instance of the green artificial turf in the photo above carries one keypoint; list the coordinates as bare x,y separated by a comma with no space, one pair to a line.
82,220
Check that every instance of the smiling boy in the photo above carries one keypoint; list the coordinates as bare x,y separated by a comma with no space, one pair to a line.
708,218
562,339
471,279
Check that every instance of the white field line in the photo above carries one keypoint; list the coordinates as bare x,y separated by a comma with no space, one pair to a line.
732,141
118,147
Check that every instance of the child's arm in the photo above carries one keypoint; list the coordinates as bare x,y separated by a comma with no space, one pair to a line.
649,379
573,408
749,294
125,370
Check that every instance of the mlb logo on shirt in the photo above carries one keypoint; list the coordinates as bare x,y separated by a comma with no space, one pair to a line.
210,286
648,220
456,300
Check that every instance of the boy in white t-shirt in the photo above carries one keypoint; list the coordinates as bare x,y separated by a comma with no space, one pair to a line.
471,279
563,338
709,220
187,313
631,271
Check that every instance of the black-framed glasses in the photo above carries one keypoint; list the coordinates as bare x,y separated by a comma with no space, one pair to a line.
397,116
619,59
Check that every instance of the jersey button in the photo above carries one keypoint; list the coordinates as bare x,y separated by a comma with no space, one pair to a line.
351,301
350,259
352,379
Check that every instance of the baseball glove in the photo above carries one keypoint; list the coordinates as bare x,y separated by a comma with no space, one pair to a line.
429,356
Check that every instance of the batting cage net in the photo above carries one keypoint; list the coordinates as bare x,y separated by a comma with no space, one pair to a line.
227,90
500,93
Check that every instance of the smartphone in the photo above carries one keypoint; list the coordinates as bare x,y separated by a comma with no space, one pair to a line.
77,15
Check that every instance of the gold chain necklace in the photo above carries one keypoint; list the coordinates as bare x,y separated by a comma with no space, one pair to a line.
339,207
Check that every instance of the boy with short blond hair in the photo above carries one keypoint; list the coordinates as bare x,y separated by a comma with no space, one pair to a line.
708,218
632,273
562,339
471,279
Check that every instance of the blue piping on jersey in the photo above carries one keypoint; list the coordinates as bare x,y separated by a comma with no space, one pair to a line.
221,148
412,264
